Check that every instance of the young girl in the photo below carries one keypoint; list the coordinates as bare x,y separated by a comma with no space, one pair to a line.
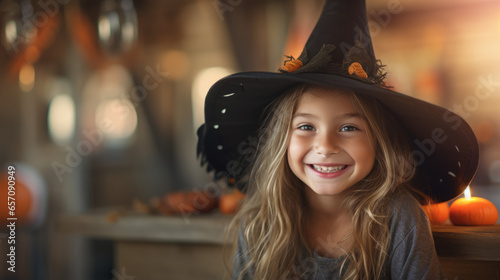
329,196
334,164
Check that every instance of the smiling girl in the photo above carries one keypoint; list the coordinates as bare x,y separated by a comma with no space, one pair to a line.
335,175
330,196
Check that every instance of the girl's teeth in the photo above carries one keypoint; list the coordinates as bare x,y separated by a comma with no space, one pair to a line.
328,169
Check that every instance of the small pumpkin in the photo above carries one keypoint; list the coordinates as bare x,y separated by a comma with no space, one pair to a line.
437,213
185,202
475,211
230,203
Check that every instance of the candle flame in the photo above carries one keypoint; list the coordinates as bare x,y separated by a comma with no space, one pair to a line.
467,193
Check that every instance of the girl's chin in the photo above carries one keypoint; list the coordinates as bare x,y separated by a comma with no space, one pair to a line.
325,191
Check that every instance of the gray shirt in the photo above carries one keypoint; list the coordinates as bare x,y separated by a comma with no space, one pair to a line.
412,254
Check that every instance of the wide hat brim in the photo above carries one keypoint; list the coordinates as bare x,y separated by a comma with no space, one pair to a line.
445,148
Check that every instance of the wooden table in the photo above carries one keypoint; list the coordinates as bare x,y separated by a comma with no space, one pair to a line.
468,252
156,247
190,247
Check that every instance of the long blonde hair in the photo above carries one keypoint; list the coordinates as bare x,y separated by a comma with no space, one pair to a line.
273,216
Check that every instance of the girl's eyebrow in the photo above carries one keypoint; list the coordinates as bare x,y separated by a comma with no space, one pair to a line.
304,115
312,116
351,115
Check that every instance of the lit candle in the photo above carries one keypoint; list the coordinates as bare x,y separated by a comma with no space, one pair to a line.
473,211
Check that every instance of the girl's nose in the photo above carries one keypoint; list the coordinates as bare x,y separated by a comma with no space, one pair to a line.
326,145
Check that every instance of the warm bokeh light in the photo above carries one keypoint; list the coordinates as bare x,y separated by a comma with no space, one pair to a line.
61,119
11,31
119,118
104,28
27,77
201,84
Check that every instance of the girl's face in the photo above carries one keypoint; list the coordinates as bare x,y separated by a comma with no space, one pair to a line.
331,147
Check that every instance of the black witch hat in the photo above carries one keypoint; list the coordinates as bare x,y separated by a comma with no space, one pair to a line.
338,54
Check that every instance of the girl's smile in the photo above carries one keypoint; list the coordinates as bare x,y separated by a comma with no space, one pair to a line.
328,171
331,147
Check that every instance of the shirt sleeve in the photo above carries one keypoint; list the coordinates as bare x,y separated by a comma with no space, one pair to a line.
413,254
241,259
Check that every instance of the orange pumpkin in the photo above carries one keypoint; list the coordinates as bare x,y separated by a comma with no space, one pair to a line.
476,211
22,203
437,213
229,203
185,202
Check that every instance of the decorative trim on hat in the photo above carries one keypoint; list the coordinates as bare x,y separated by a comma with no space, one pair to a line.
357,64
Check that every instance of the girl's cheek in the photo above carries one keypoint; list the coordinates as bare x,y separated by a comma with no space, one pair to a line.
293,150
294,146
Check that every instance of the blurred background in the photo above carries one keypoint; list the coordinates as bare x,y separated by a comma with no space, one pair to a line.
101,99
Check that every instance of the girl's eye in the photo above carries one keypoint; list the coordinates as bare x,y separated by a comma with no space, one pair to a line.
305,127
347,128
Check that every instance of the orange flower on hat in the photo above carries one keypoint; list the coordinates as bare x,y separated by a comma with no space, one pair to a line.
356,69
290,65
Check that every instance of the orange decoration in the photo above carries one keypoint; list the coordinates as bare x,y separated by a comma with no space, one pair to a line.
473,211
356,69
185,202
291,65
437,213
229,203
23,201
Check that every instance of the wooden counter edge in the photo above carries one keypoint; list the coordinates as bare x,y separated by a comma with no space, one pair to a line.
468,242
195,228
